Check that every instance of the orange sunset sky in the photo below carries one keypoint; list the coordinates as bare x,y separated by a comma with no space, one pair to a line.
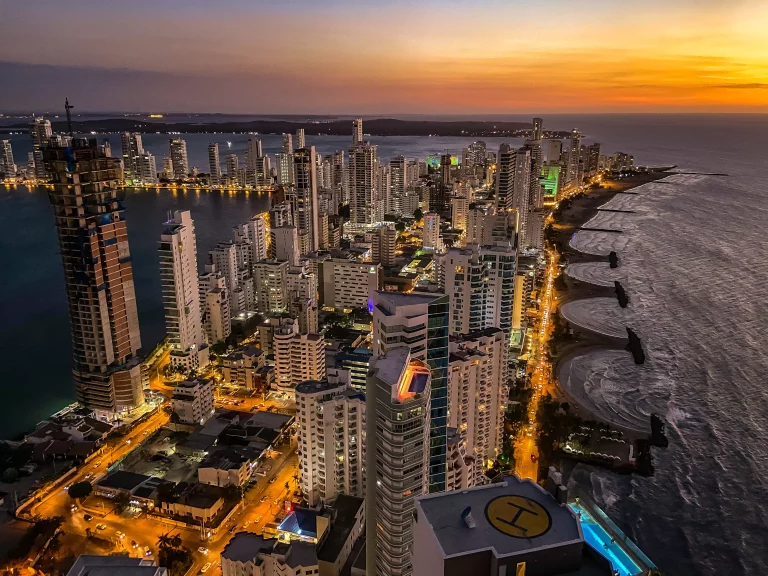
486,56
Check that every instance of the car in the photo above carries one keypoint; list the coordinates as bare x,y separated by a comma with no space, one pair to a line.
246,523
233,529
257,519
264,498
134,544
203,550
127,441
87,517
120,535
273,479
101,526
205,568
146,432
87,476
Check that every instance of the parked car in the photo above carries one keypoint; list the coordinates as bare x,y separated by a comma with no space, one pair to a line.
101,526
87,517
205,568
134,544
264,498
203,550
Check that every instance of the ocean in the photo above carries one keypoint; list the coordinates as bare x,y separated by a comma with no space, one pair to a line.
698,286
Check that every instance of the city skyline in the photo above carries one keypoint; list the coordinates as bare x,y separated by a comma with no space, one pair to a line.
681,56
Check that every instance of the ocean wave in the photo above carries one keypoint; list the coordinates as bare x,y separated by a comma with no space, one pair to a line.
597,273
599,315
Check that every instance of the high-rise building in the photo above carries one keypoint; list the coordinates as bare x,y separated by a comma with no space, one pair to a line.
477,152
419,322
538,129
572,167
535,194
363,174
285,244
232,166
460,473
253,151
214,301
40,131
271,287
554,150
459,212
298,357
224,257
398,185
181,295
446,161
280,215
348,283
431,231
132,149
383,246
339,180
93,242
550,182
534,229
593,159
167,167
179,161
7,165
480,282
331,440
476,391
147,166
255,233
398,402
301,142
357,131
304,199
301,289
214,164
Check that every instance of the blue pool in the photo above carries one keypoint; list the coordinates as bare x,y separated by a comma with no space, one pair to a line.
597,537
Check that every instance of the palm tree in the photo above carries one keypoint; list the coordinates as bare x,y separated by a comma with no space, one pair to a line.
165,541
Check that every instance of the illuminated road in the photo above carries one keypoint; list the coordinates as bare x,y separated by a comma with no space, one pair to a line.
525,445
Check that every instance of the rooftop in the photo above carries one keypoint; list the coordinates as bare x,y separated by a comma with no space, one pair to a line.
122,480
315,386
115,566
346,509
245,546
512,517
302,521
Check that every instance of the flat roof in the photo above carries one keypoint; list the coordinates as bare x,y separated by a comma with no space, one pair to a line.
122,480
245,546
511,518
346,509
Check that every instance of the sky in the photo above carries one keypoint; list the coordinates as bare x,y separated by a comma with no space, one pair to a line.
385,56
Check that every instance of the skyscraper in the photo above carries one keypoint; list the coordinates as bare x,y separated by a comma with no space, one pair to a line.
300,140
572,169
304,201
398,402
179,161
40,131
147,166
398,176
431,231
535,195
132,147
7,165
253,151
93,241
214,164
419,322
357,131
363,172
181,297
480,282
232,165
538,129
331,439
383,246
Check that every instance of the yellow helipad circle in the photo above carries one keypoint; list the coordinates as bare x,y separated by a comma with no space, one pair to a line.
518,516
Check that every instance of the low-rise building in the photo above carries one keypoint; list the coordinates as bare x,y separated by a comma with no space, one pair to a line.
248,554
87,565
196,505
192,401
347,525
227,467
241,367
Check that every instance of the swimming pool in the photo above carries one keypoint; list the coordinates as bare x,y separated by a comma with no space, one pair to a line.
604,544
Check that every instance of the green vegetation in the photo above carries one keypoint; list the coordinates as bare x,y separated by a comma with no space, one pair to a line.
556,422
11,459
46,528
561,334
173,555
400,227
418,214
80,490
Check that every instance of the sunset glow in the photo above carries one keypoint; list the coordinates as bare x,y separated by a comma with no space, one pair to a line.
389,57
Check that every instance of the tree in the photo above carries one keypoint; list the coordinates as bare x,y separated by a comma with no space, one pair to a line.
80,490
418,214
400,227
10,475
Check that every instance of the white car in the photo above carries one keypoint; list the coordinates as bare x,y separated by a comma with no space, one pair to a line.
120,535
203,550
205,568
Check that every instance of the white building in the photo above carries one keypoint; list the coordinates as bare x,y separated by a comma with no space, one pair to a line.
383,242
348,283
147,166
255,233
397,458
193,401
431,238
271,285
181,297
179,160
284,242
101,565
460,473
248,554
480,282
132,148
357,131
298,357
214,299
331,440
477,390
459,212
301,289
214,163
534,232
7,165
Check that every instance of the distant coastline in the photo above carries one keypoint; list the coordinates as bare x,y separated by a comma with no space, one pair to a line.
330,127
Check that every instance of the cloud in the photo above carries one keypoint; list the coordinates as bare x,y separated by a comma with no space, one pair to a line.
746,86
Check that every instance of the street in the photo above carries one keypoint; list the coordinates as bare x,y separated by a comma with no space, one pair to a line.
525,445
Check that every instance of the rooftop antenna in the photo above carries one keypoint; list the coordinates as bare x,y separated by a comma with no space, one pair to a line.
67,107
